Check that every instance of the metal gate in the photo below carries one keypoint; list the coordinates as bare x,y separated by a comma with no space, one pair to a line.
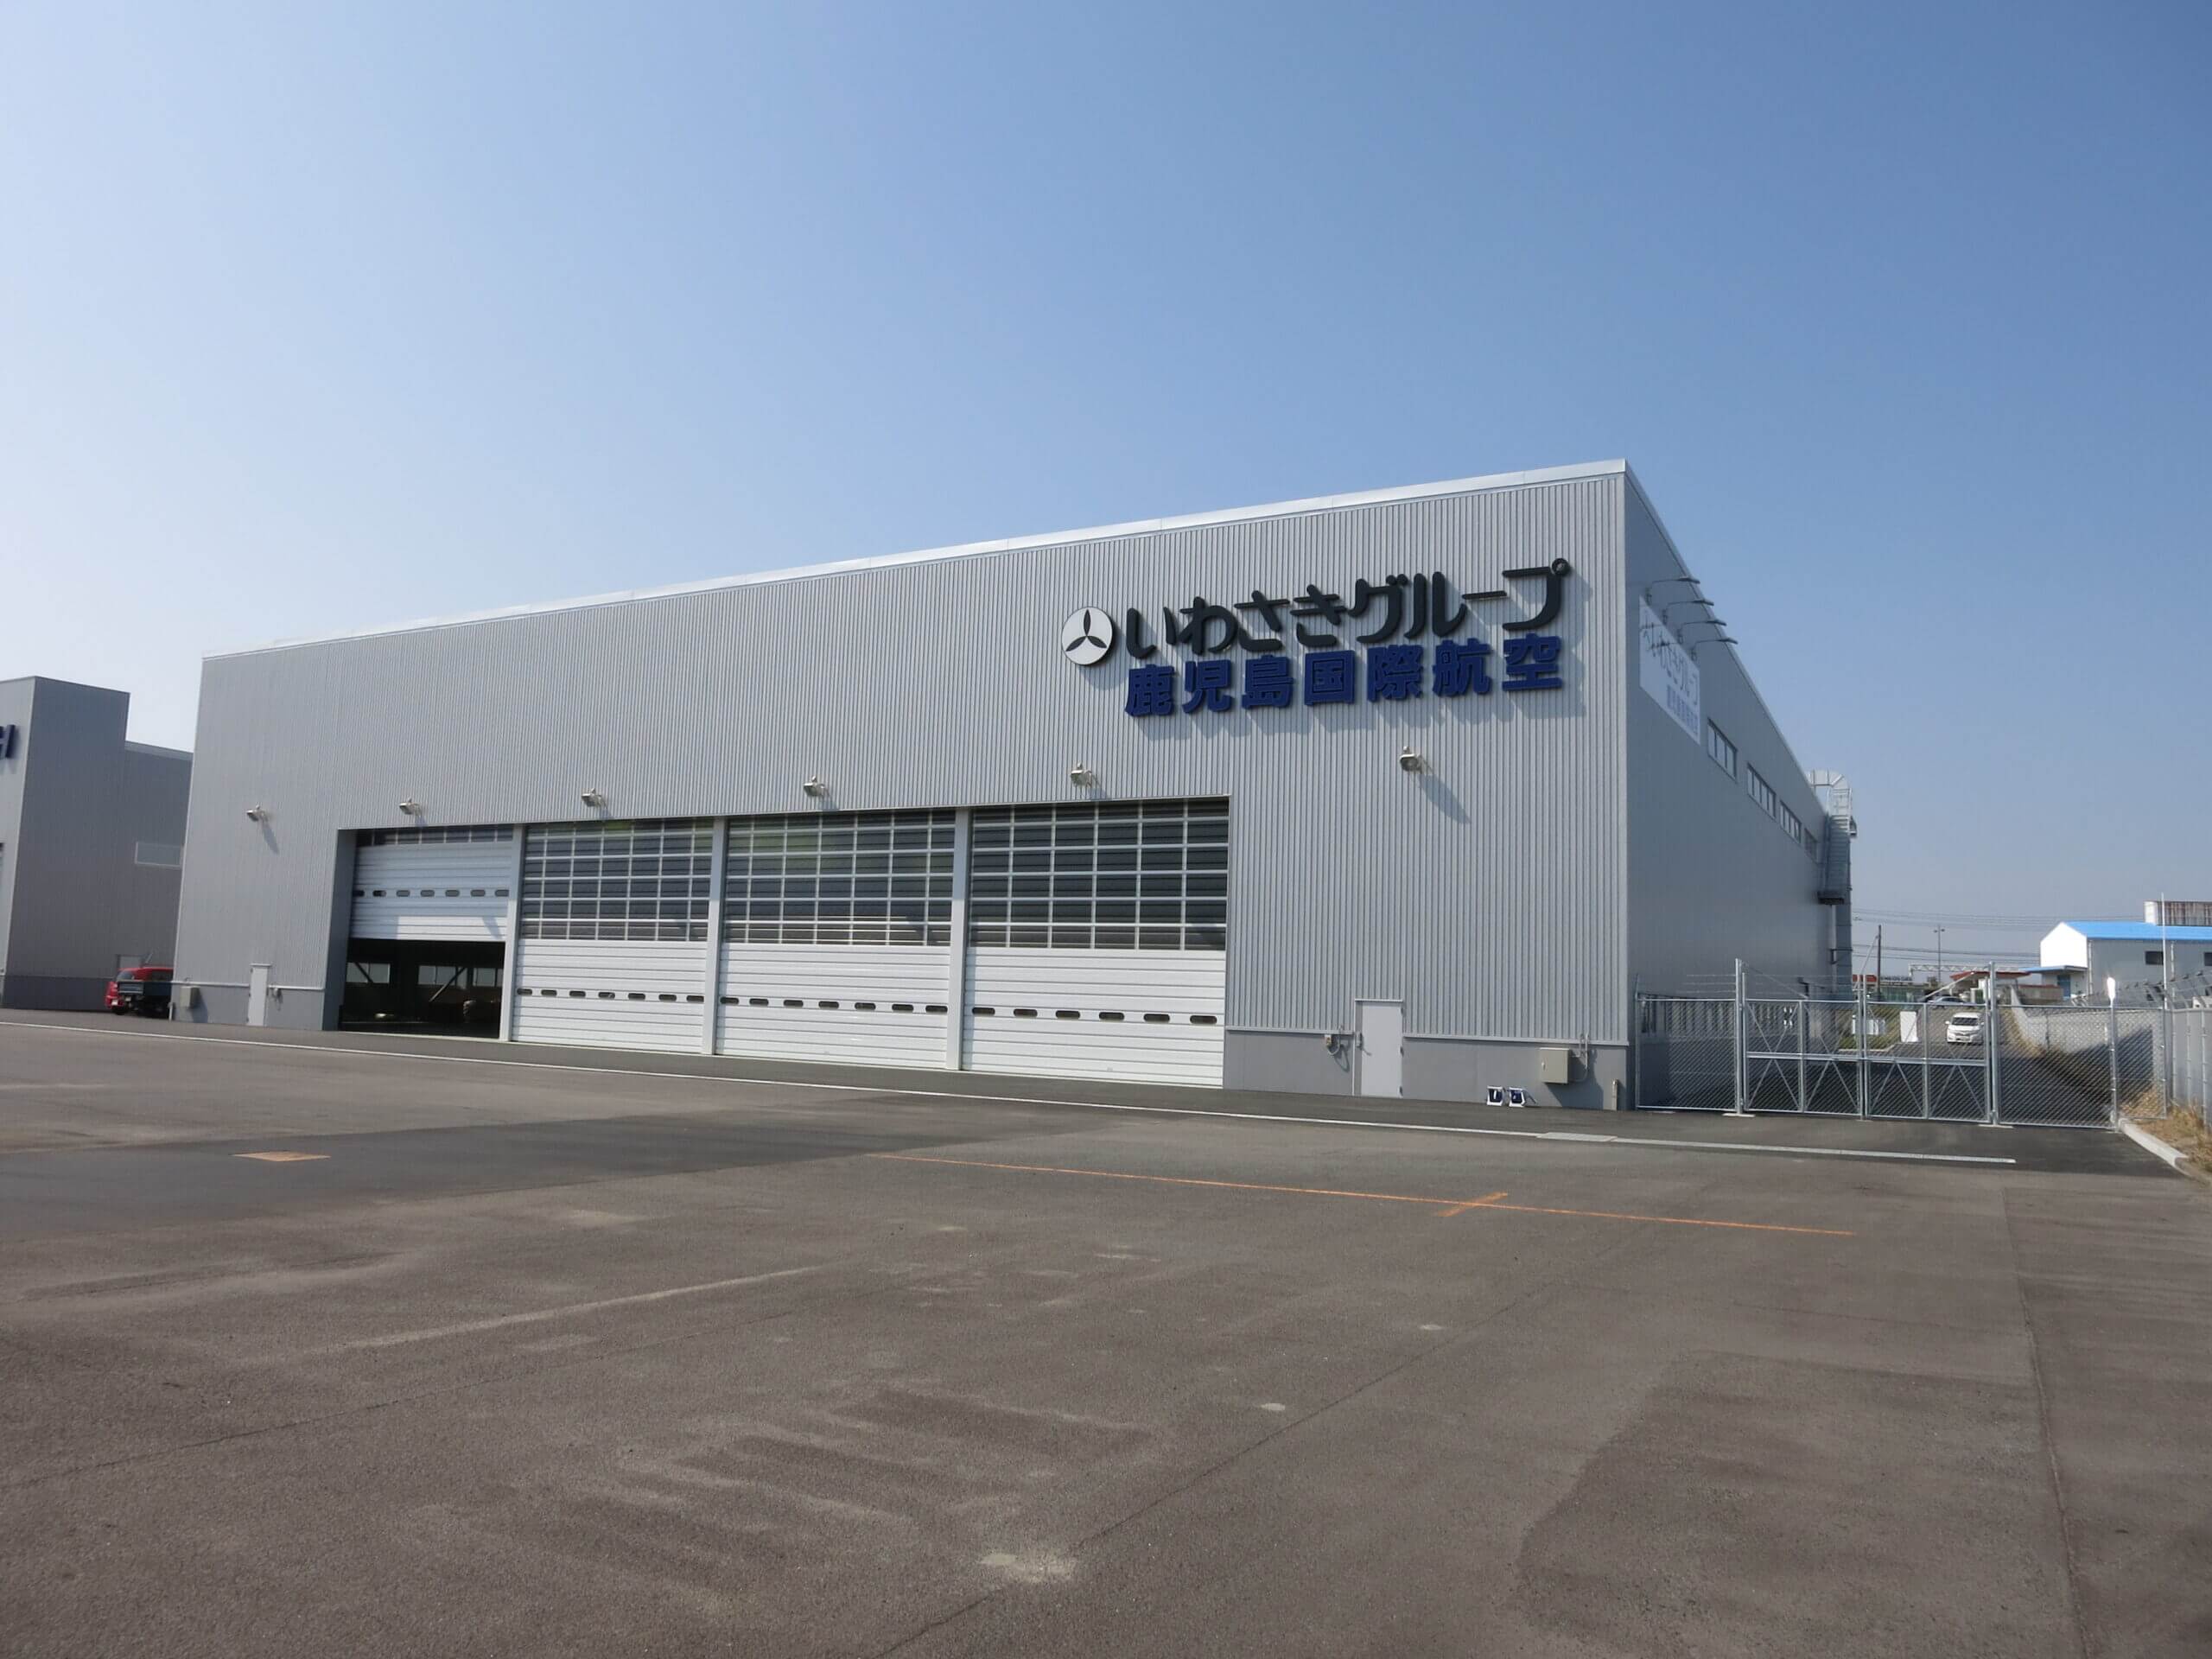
2070,1064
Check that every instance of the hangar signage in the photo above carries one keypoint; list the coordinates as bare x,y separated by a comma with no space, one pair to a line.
6,742
1669,674
1300,648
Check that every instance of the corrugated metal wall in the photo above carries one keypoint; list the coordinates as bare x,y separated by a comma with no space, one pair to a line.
1713,876
15,699
88,798
1487,892
152,793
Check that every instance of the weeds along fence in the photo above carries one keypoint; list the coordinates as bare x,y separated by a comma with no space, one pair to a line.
2191,1049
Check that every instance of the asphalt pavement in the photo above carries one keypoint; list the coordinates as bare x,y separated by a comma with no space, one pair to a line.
346,1346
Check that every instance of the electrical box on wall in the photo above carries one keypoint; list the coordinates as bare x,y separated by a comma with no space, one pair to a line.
1556,1065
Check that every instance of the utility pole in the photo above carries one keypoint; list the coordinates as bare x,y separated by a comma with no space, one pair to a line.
1939,958
2165,955
1878,959
2165,1005
1740,1083
1990,1083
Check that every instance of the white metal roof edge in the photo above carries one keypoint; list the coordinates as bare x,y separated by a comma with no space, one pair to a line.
161,749
965,551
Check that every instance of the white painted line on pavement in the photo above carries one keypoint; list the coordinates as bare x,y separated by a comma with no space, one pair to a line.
1026,1100
1809,1152
574,1310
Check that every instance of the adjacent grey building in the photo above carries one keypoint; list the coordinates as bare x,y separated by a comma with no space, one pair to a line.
1402,792
91,833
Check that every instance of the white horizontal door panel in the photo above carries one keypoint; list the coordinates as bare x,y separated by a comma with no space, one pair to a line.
1148,1016
868,1005
434,890
612,993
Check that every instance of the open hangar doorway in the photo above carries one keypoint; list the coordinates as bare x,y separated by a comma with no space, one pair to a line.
452,986
427,949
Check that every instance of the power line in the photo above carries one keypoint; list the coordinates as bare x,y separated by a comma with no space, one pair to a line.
1964,915
1964,959
1953,917
1948,954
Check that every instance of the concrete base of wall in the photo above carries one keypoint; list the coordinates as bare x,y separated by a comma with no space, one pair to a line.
213,1006
1436,1068
224,1005
1279,1062
57,993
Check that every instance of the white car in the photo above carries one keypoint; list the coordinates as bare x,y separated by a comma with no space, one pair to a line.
1964,1027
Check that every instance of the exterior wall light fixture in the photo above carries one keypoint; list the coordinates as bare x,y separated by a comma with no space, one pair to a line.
257,813
594,798
815,788
410,806
1082,776
1410,761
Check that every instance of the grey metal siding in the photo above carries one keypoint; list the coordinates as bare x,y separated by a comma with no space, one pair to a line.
1711,876
1487,893
85,799
61,937
153,790
14,710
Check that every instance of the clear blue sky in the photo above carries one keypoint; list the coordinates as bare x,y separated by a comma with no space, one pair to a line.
320,316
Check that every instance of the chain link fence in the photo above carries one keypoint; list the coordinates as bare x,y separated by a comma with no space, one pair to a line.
2070,1065
1685,1052
2191,1049
2079,1065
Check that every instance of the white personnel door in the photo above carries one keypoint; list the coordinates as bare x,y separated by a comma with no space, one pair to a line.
1382,1048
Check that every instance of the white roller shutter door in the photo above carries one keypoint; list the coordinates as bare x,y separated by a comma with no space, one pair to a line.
619,994
837,938
613,952
867,1004
1095,945
433,884
1098,941
1150,1016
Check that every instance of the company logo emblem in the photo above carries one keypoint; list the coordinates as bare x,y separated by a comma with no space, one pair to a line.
1087,637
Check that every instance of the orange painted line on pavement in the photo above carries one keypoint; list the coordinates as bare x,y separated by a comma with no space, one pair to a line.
1452,1205
1672,1221
1169,1180
1483,1202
